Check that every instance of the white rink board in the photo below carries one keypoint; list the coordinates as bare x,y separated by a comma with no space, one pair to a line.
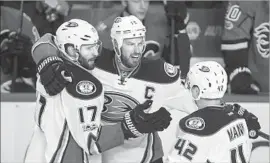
17,124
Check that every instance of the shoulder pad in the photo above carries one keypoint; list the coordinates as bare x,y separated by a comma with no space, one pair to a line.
84,85
47,41
48,38
157,71
44,47
206,121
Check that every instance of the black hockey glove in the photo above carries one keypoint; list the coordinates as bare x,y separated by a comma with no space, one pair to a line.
51,71
241,82
251,120
177,10
137,122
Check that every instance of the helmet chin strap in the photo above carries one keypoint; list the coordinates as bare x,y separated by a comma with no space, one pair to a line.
121,66
72,59
123,71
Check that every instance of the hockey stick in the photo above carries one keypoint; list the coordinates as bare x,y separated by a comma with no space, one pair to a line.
172,46
172,38
15,59
263,135
21,15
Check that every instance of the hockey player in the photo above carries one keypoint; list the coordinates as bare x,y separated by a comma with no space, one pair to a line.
128,80
245,45
161,45
71,119
216,132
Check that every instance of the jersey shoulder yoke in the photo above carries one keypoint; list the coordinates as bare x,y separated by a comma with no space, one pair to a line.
84,85
206,121
157,71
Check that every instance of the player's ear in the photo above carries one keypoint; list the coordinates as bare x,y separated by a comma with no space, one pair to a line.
71,51
195,92
124,3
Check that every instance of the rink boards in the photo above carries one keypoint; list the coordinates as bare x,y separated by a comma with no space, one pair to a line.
17,112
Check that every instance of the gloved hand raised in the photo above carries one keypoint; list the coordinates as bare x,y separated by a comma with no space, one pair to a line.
251,120
137,122
177,10
52,71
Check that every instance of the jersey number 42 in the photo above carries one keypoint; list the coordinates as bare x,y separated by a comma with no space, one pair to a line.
185,148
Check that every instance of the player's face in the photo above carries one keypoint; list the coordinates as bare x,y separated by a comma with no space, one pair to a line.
88,55
132,51
138,8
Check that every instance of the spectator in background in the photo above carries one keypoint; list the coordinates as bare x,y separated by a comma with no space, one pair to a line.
204,30
246,46
18,72
16,61
159,35
46,15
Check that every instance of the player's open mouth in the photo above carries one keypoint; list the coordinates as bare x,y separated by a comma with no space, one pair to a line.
136,56
142,13
92,59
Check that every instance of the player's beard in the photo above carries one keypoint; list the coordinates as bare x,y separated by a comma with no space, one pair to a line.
88,63
131,61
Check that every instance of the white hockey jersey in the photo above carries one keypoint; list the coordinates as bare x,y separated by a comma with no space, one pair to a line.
211,135
72,114
156,80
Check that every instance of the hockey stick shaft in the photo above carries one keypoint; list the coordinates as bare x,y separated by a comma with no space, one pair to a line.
15,59
263,135
21,17
172,45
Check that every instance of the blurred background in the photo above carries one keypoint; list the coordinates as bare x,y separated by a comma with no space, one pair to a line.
205,30
24,22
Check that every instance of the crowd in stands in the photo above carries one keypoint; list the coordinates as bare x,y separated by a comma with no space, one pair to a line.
235,34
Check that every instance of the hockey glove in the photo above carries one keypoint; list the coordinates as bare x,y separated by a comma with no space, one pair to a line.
137,122
241,82
160,120
52,71
177,10
251,120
